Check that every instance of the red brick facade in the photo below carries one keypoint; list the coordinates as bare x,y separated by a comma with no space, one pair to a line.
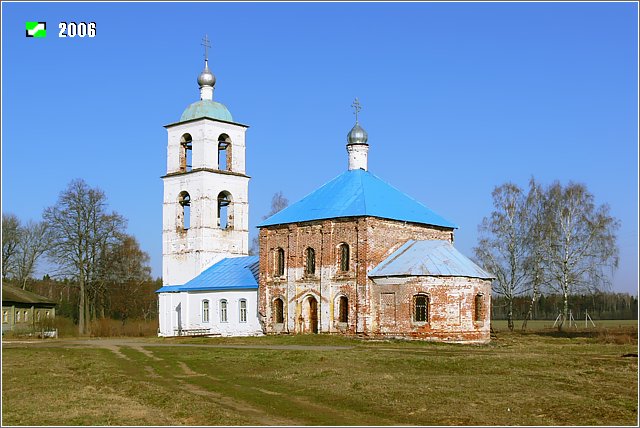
312,298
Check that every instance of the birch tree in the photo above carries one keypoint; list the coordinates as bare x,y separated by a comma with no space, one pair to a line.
81,229
581,248
502,246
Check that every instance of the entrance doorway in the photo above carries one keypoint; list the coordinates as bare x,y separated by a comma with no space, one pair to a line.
313,314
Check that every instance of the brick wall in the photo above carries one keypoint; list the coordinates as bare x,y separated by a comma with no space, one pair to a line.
370,241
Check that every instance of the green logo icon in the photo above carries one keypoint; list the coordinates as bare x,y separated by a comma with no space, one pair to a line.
36,29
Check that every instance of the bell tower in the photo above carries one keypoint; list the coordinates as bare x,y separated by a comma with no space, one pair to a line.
205,213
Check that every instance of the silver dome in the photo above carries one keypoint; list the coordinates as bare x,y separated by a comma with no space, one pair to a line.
206,78
357,135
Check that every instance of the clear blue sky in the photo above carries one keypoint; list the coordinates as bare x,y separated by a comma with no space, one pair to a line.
457,98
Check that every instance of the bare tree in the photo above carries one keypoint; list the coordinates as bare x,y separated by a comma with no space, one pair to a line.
33,242
502,247
81,230
10,239
278,203
581,250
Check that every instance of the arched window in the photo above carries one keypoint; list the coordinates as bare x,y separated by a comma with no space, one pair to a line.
185,216
18,316
478,313
225,210
224,152
223,310
186,146
5,316
205,311
243,310
310,259
278,311
344,257
343,309
279,260
421,308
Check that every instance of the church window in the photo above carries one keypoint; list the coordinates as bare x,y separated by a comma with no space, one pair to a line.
185,216
224,152
421,308
344,257
186,146
343,308
225,211
310,258
243,310
278,311
279,262
223,311
205,311
478,314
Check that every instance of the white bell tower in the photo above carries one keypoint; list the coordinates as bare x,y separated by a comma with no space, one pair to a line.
205,213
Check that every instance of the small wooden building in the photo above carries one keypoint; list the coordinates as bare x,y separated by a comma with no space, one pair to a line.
24,311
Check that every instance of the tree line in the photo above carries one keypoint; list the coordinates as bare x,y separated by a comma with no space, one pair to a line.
599,306
94,262
552,240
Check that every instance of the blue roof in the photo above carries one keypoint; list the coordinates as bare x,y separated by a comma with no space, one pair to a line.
357,193
428,258
235,273
206,108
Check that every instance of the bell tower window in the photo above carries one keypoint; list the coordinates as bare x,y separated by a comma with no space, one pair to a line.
225,211
184,217
186,146
224,152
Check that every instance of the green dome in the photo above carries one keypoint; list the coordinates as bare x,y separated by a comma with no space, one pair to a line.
206,108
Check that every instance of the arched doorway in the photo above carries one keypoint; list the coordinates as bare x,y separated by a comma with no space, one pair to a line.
313,314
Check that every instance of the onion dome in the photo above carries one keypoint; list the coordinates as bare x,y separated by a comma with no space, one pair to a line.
357,135
206,78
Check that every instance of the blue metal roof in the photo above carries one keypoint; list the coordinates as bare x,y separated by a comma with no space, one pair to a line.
428,258
206,108
235,273
357,193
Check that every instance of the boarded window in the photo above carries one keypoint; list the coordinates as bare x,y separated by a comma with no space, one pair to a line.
344,257
478,314
343,307
279,262
421,308
278,311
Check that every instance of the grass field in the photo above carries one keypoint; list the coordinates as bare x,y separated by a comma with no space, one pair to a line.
541,377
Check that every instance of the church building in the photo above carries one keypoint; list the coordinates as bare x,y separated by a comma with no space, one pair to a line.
357,256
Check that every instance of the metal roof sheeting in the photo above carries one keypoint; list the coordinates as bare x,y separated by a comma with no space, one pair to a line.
428,258
12,294
357,193
235,273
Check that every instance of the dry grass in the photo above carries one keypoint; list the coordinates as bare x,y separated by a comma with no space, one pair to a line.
538,378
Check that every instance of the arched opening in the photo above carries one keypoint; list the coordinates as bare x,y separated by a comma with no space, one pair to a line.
312,314
343,309
278,311
478,313
223,311
205,311
184,216
186,152
279,260
310,261
225,210
343,251
421,308
243,310
224,152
